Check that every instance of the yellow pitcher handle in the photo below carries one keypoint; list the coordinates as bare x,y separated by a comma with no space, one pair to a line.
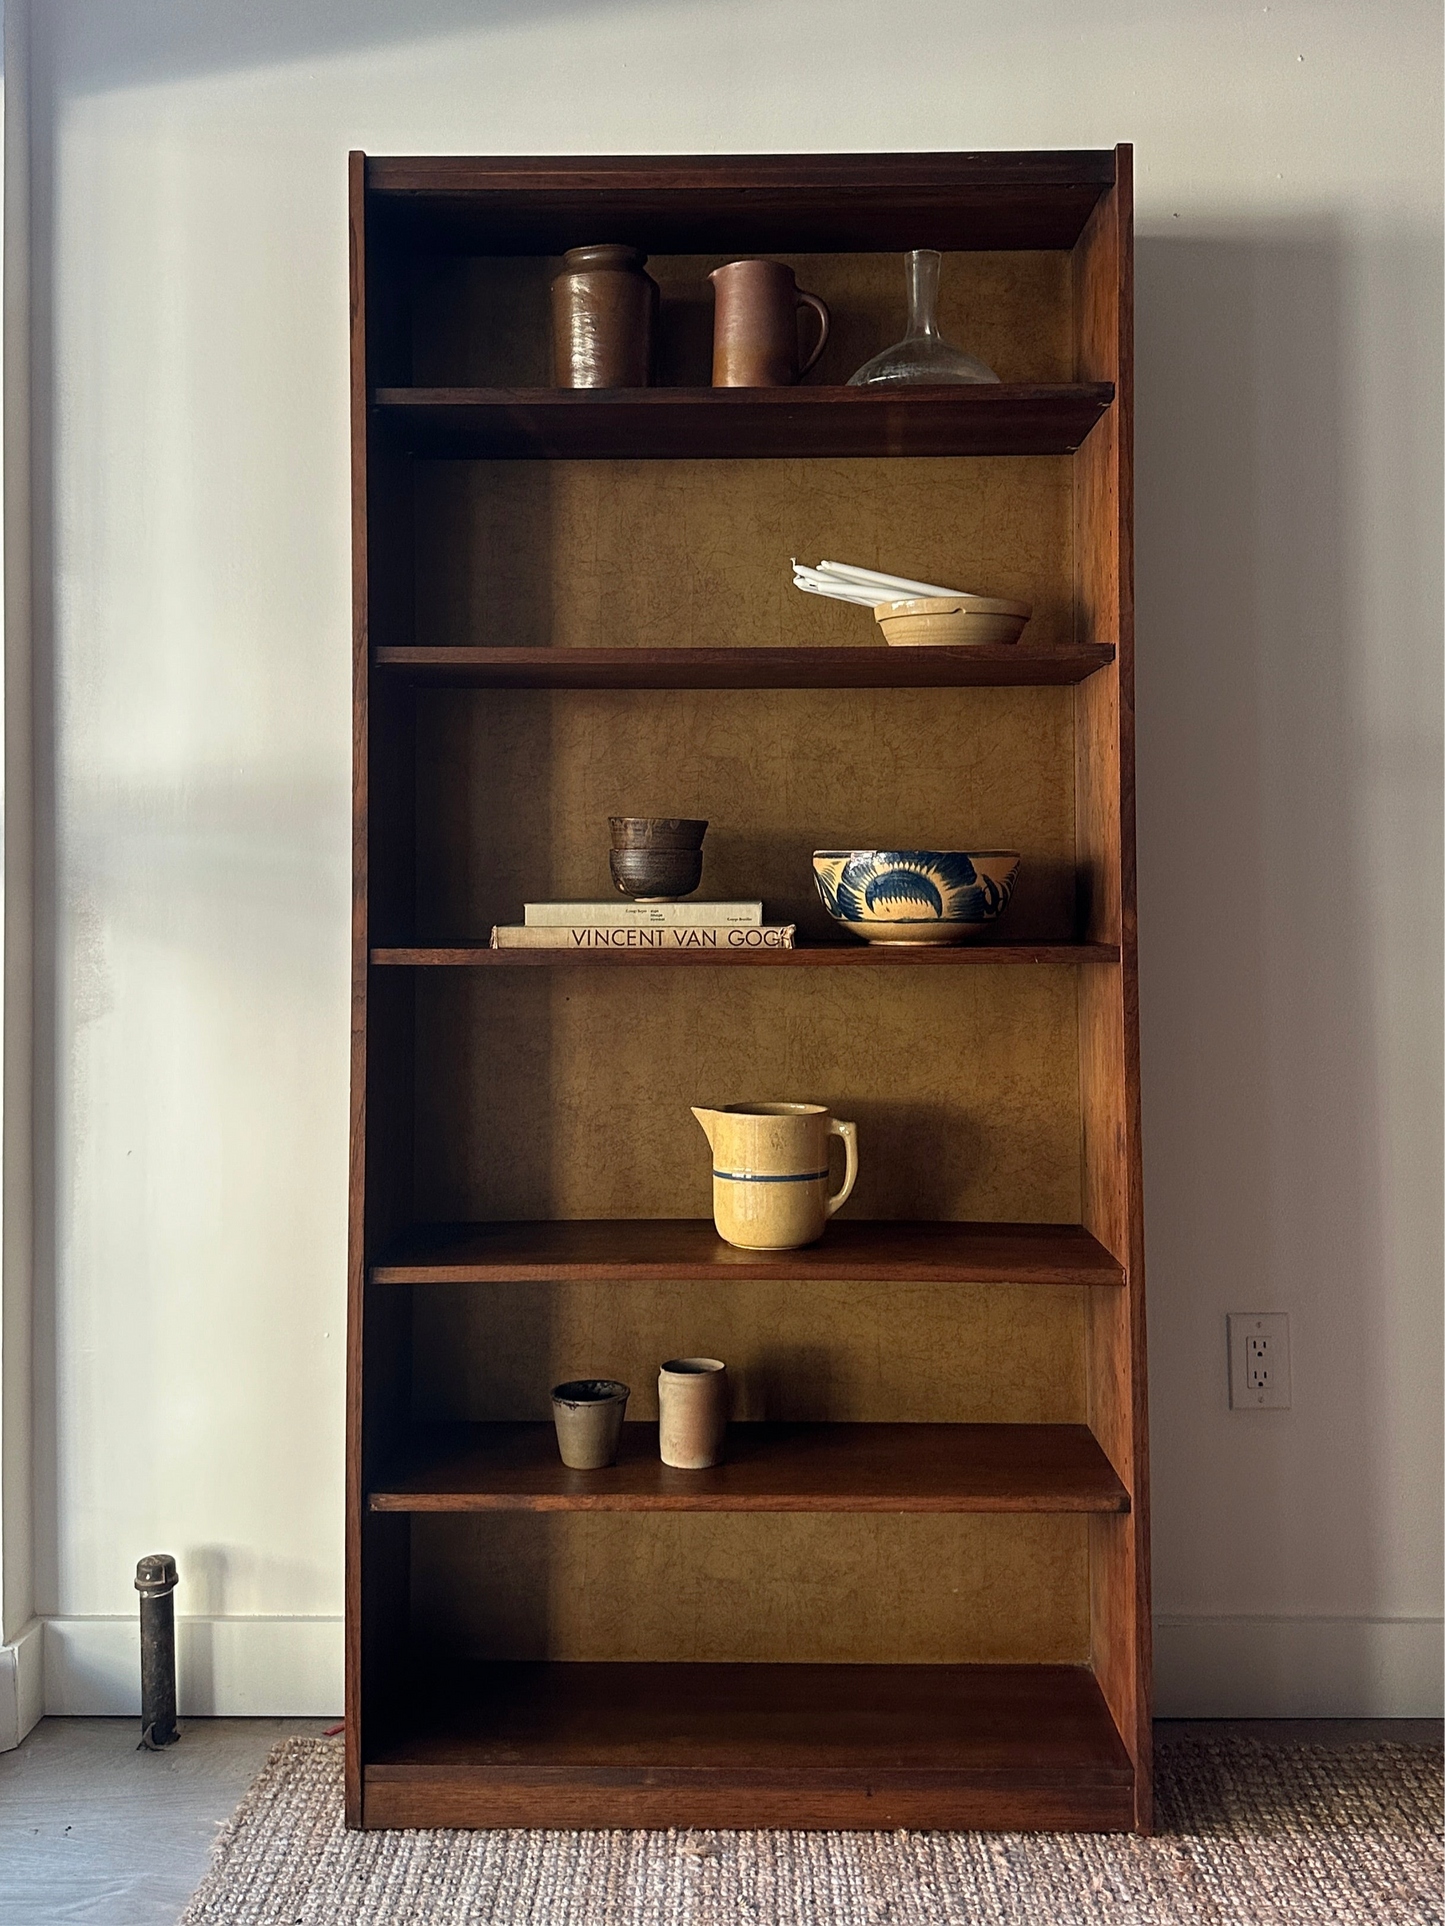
849,1133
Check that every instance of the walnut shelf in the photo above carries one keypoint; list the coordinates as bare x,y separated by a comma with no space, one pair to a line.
770,1467
575,1745
713,424
688,1249
480,956
991,666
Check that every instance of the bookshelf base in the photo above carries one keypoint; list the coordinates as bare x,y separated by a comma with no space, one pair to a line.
1012,1747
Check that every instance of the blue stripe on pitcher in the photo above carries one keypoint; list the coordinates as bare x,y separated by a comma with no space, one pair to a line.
753,1177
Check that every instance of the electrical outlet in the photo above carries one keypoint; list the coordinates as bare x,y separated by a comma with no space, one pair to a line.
1259,1360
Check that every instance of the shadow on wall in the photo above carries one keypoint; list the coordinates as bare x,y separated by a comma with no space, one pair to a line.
109,45
1266,909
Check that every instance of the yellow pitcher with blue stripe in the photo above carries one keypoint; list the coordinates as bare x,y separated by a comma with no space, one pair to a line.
770,1172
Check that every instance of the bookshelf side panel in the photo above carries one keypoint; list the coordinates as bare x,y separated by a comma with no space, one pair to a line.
380,1164
1108,998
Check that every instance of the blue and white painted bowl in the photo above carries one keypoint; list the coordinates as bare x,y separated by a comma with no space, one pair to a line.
915,895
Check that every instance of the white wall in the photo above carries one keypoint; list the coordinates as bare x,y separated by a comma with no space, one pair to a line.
192,667
21,1635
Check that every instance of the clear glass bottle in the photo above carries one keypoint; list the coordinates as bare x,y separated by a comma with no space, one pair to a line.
922,355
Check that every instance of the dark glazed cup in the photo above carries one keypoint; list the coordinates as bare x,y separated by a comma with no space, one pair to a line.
656,858
604,319
656,832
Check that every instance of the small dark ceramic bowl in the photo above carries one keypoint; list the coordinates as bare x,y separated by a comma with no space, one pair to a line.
653,874
656,832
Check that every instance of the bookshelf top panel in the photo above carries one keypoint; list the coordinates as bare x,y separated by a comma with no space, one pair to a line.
865,202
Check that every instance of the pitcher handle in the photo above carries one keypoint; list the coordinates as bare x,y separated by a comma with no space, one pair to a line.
812,301
849,1133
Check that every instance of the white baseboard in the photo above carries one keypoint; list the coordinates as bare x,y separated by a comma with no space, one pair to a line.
1299,1668
225,1667
22,1684
1204,1668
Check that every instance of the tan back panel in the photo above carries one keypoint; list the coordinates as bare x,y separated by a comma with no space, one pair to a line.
760,1587
486,322
815,1353
695,554
565,1093
515,789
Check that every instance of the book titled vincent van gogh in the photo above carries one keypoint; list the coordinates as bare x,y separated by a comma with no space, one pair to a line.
591,936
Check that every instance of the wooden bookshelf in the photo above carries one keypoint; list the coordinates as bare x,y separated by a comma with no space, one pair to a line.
557,596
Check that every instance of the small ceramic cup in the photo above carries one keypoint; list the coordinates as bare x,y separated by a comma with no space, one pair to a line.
692,1412
588,1414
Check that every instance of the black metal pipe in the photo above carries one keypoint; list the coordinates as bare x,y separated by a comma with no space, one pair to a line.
155,1580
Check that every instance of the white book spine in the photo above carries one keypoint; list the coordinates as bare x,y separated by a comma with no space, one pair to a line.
622,915
734,937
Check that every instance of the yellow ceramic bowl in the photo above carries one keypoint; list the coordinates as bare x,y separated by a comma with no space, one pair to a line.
951,621
915,895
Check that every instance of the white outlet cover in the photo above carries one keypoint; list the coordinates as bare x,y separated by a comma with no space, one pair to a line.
1259,1377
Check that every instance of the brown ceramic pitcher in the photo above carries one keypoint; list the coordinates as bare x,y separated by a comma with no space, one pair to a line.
755,328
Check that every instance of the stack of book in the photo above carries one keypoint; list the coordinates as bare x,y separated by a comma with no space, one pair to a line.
629,926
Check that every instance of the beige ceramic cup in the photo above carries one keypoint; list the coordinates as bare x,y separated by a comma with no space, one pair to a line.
770,1172
692,1412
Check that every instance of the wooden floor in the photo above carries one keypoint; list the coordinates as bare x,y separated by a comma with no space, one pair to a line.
93,1831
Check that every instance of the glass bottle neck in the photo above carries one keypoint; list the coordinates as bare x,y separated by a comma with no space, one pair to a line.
923,266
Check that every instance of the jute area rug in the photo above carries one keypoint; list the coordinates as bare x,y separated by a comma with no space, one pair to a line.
1250,1832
